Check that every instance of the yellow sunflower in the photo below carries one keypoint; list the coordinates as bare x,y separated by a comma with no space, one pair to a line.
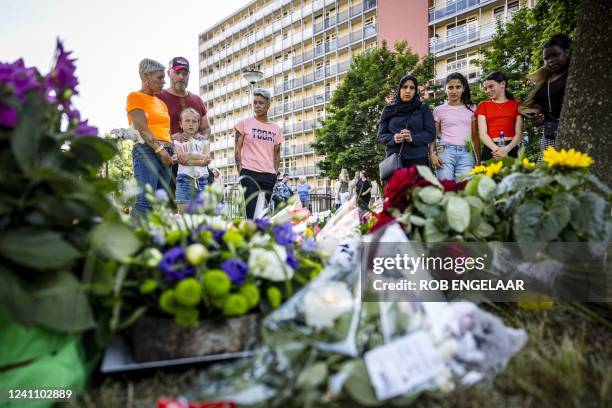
527,164
566,158
493,169
478,169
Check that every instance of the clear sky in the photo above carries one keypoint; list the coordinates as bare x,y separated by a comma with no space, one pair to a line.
109,38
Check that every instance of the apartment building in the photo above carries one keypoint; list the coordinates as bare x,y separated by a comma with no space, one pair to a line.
461,29
304,49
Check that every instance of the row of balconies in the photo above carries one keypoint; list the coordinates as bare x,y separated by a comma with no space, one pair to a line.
472,74
269,30
295,16
471,36
453,7
319,75
319,50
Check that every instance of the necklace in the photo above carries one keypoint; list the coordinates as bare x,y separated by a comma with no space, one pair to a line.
549,103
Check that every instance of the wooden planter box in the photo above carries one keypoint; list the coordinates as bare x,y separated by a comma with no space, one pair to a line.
158,338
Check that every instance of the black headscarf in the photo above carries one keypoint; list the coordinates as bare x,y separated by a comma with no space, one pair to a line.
399,106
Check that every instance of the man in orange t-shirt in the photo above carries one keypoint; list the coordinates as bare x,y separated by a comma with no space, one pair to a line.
148,114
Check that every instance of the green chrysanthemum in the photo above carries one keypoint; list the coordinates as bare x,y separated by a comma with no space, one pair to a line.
186,317
218,302
173,237
251,293
188,292
233,237
216,283
275,297
168,302
148,286
235,305
208,237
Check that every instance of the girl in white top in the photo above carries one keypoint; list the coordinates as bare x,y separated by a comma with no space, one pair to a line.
193,157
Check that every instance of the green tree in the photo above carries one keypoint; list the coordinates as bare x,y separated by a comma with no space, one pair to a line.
348,136
516,47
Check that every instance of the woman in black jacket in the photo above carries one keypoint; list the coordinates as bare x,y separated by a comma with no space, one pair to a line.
407,124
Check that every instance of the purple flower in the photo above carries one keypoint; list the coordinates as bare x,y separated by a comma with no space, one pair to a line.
193,205
174,265
218,234
83,129
309,245
284,235
236,270
8,116
20,79
292,260
62,77
262,224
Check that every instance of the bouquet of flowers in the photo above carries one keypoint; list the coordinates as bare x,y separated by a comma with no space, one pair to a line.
201,266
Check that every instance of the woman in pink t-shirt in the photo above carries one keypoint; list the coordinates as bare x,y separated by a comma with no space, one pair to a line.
455,125
257,151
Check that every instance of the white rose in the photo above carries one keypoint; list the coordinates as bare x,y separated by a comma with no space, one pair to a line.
218,223
270,264
325,302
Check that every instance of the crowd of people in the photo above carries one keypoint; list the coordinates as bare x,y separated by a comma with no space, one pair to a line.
172,151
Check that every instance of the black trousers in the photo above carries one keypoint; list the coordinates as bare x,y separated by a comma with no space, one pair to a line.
266,183
487,154
419,161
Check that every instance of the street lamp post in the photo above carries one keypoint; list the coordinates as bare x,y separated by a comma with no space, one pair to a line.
252,76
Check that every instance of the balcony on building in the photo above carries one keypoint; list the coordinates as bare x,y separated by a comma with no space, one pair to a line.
454,7
471,36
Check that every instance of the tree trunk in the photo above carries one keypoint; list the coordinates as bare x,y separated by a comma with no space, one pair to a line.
586,118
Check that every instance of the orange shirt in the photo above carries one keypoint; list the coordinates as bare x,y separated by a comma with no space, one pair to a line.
156,110
500,116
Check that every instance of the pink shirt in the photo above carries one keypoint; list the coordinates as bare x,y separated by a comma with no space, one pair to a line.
455,123
259,140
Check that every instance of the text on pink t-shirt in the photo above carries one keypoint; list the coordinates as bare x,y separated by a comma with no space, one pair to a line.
257,152
455,123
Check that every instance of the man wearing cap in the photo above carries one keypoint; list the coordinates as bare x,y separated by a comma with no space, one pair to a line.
177,98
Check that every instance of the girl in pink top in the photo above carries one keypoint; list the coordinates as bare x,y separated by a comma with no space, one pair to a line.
455,124
257,151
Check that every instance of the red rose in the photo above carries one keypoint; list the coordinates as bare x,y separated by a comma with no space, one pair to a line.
395,192
382,219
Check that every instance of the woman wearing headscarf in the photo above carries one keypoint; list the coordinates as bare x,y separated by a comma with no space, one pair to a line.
152,160
407,125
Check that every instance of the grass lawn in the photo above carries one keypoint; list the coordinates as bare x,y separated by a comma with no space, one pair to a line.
567,362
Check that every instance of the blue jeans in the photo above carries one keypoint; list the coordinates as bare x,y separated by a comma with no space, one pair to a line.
189,188
148,169
457,160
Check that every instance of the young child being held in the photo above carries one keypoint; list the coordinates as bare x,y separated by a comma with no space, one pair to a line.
193,157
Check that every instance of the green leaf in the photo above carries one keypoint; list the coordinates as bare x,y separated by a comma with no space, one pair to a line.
484,230
416,220
526,220
588,217
92,150
432,233
313,376
430,195
114,240
554,220
597,183
475,202
567,181
26,136
522,181
358,385
458,212
37,249
429,211
486,188
475,218
428,175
